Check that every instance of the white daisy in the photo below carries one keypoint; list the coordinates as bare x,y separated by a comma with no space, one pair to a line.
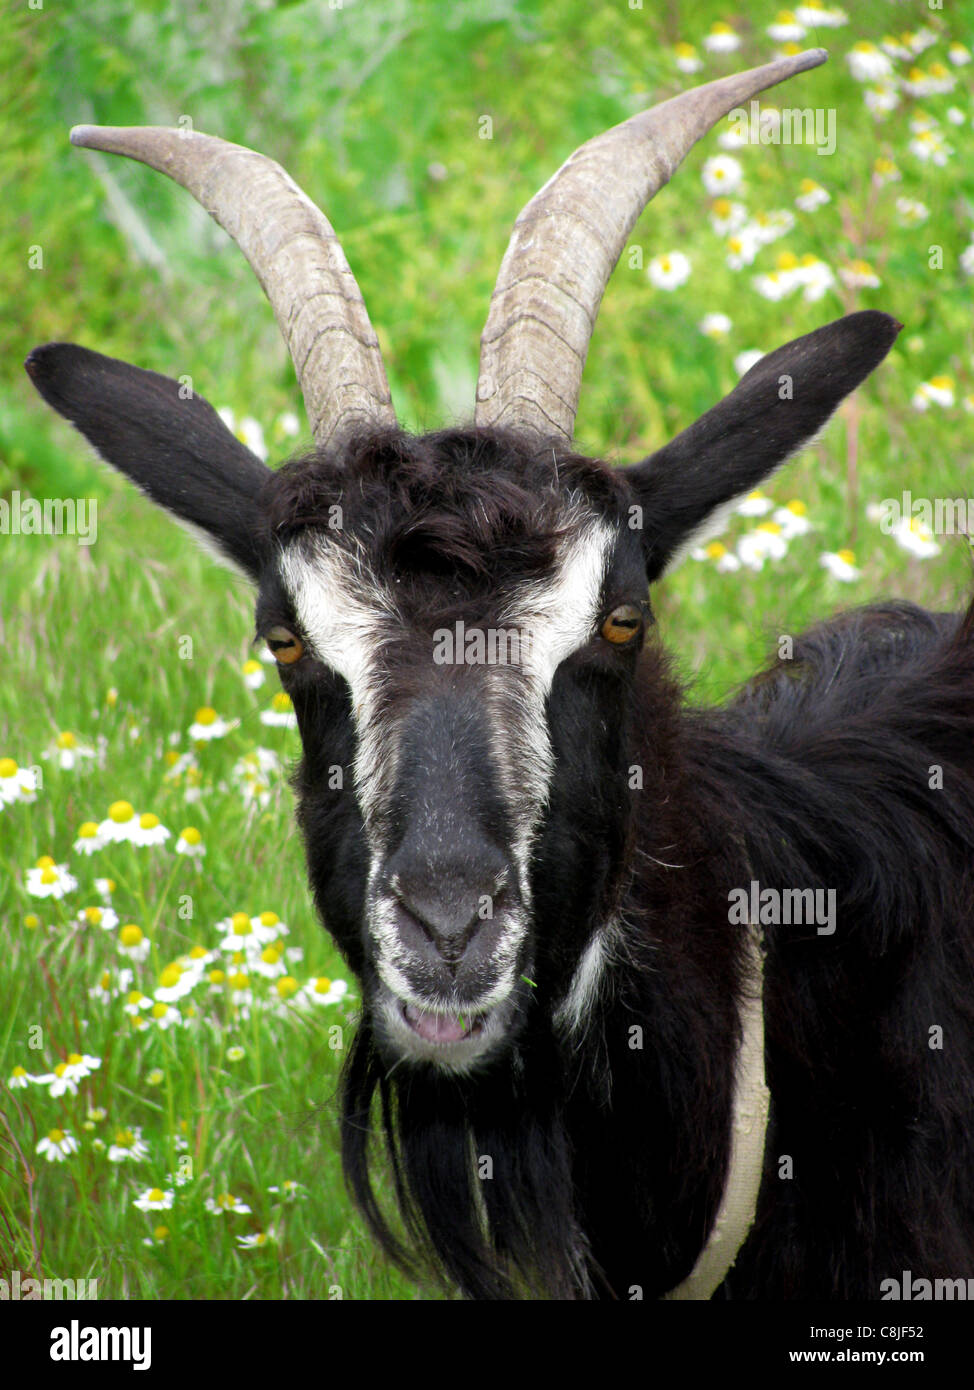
721,175
667,272
57,1145
841,564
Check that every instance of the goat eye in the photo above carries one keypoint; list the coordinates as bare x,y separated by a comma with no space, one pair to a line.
284,646
623,624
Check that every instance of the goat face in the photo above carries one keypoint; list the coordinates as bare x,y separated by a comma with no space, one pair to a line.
458,621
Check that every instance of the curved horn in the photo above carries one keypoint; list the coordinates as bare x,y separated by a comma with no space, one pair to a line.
296,256
566,242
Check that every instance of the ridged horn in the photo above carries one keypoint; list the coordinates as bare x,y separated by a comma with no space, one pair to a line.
566,242
295,255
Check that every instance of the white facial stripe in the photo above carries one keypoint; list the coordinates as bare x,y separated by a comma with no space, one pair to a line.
348,616
558,616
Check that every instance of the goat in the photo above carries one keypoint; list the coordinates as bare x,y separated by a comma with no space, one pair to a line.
595,1077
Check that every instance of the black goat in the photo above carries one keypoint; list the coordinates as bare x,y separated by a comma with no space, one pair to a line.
550,876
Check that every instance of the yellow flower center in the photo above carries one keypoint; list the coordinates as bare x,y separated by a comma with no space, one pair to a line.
270,956
124,1138
197,953
787,260
160,1010
797,507
148,821
771,527
848,556
251,667
136,996
286,986
715,550
66,740
942,383
93,916
156,1194
74,1058
130,935
121,811
191,835
45,862
161,1233
60,1069
281,702
170,976
55,1135
31,922
269,919
206,715
48,876
239,980
19,1071
8,768
241,924
322,984
216,977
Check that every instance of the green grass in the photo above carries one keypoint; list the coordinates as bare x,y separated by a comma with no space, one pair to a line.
358,103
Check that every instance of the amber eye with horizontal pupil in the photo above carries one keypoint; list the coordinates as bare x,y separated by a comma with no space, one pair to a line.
623,623
285,647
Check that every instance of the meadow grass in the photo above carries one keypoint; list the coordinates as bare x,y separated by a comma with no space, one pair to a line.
378,111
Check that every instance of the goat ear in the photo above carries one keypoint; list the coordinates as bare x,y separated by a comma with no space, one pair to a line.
776,407
172,445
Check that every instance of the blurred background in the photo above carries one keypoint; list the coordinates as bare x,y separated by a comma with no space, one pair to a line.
421,127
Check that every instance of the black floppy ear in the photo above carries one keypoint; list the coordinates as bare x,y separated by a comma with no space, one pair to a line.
773,410
174,447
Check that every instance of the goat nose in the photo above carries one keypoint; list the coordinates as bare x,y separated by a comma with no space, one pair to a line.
446,905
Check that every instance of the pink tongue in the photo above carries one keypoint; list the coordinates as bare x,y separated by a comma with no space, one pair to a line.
437,1028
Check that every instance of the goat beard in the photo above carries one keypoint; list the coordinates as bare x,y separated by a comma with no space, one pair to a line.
482,1168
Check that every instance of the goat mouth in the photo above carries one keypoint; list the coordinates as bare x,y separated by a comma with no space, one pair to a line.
434,1027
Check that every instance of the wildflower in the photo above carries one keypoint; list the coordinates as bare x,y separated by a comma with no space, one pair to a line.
135,1001
811,195
930,146
32,921
190,842
289,1190
88,840
841,564
208,725
120,825
885,171
859,275
939,390
815,14
793,520
281,713
321,990
288,424
666,273
867,63
175,983
17,784
106,989
769,226
715,325
164,1015
159,1236
722,175
745,360
128,1146
57,1145
881,99
286,987
104,917
816,278
742,247
686,57
721,39
914,537
958,55
934,82
20,1079
765,543
726,561
105,887
59,1082
155,1199
226,1202
268,927
149,830
727,216
253,674
68,751
133,942
912,212
49,880
786,28
257,1240
235,1054
270,965
79,1066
